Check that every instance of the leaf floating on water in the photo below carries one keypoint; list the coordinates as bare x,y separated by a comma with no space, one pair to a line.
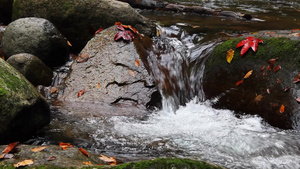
87,163
137,63
38,149
278,67
110,160
229,56
10,147
84,152
239,82
281,110
131,73
248,74
24,163
65,146
258,98
50,158
80,93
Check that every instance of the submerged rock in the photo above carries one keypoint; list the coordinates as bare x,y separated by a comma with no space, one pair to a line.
113,74
78,20
36,36
263,93
23,110
32,68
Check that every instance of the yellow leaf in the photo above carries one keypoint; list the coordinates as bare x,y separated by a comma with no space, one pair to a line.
110,160
38,149
98,86
258,98
87,163
229,56
24,163
248,74
69,43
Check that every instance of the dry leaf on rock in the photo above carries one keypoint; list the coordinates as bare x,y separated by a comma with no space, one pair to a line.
248,74
38,149
229,55
10,147
137,63
84,152
258,98
110,160
281,110
131,72
239,82
50,158
80,93
24,163
87,163
65,145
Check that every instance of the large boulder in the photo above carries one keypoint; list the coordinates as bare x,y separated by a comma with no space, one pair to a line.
114,74
32,68
5,11
36,36
22,109
264,92
79,19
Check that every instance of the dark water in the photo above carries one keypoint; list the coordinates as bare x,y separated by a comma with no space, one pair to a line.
195,129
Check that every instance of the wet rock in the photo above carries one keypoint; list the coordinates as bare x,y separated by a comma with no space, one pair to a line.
72,157
5,11
22,109
32,68
2,29
110,76
79,19
220,79
36,36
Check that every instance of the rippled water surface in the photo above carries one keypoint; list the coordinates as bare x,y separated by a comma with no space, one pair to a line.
195,130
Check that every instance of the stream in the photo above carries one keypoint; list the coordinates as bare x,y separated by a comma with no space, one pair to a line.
187,126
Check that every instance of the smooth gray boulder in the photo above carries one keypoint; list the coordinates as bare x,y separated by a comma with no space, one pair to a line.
36,36
32,68
23,110
78,20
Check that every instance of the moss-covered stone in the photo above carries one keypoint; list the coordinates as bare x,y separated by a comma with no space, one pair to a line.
20,105
220,80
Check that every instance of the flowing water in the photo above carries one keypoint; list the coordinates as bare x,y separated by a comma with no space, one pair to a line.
194,129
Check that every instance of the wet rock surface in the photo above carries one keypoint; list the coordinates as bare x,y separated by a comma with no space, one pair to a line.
220,79
32,68
113,75
78,20
36,36
20,105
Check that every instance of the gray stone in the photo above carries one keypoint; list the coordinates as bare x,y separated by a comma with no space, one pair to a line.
32,68
36,36
112,65
22,109
79,19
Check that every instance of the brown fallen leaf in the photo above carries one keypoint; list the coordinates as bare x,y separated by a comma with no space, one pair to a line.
65,145
69,43
298,99
83,57
38,149
277,81
80,93
137,63
2,155
258,98
229,56
50,158
281,110
54,90
286,89
87,163
262,68
272,62
110,160
278,67
84,152
297,78
248,74
131,72
99,30
10,147
268,91
98,86
24,163
239,82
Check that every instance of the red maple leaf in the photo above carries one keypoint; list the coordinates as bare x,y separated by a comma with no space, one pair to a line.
247,43
126,35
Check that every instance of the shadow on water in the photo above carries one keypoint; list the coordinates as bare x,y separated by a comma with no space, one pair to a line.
188,126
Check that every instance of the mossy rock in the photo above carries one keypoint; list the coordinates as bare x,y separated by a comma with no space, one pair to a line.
20,105
78,20
220,80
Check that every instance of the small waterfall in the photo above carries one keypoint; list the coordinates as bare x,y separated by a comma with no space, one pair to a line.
178,65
